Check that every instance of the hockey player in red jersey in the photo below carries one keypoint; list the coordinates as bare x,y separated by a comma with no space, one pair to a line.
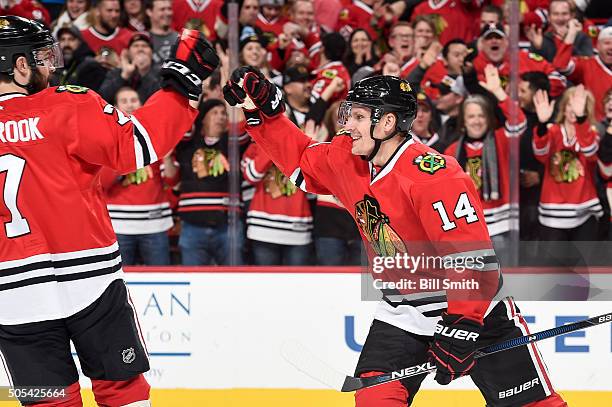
402,193
60,270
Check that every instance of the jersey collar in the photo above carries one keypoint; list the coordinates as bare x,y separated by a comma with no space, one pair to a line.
391,163
6,96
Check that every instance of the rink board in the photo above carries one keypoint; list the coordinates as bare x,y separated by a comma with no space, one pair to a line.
215,331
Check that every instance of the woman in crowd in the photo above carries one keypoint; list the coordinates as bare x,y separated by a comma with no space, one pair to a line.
569,206
482,150
75,13
361,51
133,15
425,33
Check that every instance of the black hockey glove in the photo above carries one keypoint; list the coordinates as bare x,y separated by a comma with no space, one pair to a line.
452,349
192,59
249,89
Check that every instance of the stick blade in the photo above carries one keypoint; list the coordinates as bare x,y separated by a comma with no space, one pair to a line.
306,362
352,384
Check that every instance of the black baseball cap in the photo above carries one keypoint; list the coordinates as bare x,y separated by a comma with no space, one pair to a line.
298,73
490,29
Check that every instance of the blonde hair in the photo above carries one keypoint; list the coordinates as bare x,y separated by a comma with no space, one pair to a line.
590,105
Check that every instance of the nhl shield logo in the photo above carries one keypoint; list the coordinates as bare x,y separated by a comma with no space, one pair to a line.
430,163
128,355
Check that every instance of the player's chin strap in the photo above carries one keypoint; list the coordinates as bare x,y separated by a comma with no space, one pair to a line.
378,142
29,87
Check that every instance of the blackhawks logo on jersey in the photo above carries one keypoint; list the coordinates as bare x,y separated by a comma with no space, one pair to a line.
277,184
71,89
376,227
565,167
209,162
430,162
473,167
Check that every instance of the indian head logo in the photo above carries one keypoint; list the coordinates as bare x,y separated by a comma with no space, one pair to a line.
376,227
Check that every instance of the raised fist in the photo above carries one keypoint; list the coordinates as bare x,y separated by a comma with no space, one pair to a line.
192,60
248,88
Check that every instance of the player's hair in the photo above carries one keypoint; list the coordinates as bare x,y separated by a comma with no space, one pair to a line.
486,107
565,98
493,9
448,44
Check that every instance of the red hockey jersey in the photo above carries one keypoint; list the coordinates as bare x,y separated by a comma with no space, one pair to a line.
457,19
206,11
118,40
496,211
528,62
30,9
271,28
323,77
408,202
568,196
590,71
58,251
274,215
408,67
137,207
360,15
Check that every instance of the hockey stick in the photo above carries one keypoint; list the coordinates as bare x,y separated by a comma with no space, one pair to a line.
355,383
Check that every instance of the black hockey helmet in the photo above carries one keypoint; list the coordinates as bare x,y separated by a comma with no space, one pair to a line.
382,94
31,39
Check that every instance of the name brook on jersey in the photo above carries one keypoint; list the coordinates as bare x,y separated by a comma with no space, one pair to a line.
19,131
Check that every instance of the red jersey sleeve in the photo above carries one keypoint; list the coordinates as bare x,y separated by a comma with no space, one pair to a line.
514,126
296,155
588,140
450,212
107,137
254,164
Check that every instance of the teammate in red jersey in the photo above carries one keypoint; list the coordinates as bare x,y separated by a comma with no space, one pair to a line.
60,270
403,195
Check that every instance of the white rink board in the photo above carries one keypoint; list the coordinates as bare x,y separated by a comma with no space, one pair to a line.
225,330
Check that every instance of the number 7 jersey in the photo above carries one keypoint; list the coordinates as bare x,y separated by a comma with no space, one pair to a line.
419,201
58,251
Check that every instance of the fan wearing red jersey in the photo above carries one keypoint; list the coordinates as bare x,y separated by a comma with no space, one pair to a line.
60,271
585,69
569,205
403,196
495,50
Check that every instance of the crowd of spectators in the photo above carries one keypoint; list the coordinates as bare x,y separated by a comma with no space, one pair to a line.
456,53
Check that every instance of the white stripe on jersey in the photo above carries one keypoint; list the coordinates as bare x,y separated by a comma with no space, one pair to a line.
520,323
62,283
148,145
